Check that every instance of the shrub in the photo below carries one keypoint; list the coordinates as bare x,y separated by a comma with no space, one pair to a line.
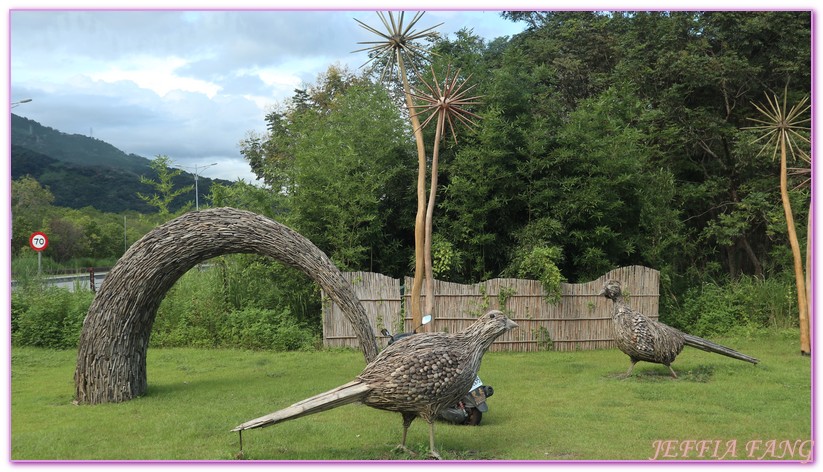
191,313
712,309
49,317
237,302
248,280
540,263
194,313
24,267
257,328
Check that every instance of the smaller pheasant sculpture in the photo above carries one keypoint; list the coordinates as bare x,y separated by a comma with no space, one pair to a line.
643,339
418,375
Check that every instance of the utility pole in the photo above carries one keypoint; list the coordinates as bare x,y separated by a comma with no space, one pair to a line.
197,170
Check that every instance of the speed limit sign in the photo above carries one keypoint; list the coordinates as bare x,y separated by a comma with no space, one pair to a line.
38,241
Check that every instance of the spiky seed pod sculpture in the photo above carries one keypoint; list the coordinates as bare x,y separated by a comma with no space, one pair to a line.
448,103
397,46
398,43
782,128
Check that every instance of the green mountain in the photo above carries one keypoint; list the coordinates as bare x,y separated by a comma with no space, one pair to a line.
81,171
106,188
72,148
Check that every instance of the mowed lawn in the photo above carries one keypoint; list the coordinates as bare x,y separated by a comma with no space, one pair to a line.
546,406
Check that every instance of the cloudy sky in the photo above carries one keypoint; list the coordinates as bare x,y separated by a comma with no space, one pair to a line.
186,83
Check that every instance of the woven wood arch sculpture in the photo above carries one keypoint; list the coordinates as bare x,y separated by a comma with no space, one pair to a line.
111,362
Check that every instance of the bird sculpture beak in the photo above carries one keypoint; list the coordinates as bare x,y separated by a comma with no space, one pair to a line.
602,292
510,324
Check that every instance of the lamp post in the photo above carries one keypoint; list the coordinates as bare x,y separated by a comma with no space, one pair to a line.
197,170
20,102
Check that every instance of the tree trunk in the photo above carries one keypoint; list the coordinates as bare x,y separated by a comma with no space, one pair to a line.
731,258
800,279
758,267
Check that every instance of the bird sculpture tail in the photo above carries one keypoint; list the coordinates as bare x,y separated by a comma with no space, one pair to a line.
348,393
709,346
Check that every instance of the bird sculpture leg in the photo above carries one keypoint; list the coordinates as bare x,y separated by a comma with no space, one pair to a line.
671,370
432,451
631,368
407,421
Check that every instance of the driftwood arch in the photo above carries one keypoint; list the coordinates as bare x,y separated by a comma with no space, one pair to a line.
111,362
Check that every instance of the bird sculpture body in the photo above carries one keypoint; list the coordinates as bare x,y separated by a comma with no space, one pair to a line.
418,375
644,339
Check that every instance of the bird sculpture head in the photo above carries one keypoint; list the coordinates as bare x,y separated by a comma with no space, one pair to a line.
490,326
612,290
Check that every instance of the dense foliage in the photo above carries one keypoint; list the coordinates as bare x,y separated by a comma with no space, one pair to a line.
607,139
78,186
47,316
229,304
339,156
77,237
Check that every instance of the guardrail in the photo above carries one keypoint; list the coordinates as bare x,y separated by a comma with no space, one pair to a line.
90,280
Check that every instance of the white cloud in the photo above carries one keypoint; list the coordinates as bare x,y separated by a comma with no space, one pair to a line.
281,82
189,85
156,74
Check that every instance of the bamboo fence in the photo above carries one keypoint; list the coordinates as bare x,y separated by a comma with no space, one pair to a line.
581,320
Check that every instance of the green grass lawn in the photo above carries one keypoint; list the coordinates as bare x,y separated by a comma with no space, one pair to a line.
546,406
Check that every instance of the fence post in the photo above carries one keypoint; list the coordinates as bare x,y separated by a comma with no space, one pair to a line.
91,280
403,303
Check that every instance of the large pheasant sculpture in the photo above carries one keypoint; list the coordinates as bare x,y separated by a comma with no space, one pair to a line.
648,340
418,375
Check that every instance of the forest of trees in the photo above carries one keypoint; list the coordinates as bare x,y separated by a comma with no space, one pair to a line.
606,139
611,139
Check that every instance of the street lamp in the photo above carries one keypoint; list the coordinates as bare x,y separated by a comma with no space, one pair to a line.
197,170
18,103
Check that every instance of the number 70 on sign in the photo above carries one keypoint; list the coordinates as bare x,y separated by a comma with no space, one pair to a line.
38,241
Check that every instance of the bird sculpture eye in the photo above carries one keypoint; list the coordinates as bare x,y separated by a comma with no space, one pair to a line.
491,316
